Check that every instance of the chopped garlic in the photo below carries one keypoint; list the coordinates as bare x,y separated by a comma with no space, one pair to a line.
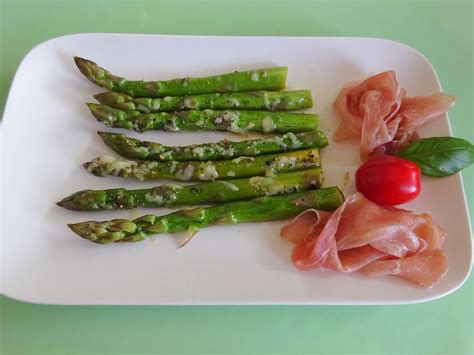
209,172
275,103
229,116
234,102
155,105
246,160
104,159
172,186
254,76
268,185
171,126
260,183
154,198
281,162
266,101
119,165
224,151
234,127
229,185
229,151
187,173
166,155
143,169
259,180
188,103
294,140
268,125
279,140
143,108
173,166
198,152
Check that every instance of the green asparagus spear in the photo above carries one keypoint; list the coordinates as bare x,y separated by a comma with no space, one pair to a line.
136,149
207,120
208,192
252,80
258,100
205,171
256,210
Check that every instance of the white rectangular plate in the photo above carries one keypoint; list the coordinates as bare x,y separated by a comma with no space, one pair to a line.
48,133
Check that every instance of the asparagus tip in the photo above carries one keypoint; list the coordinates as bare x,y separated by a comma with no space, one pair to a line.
96,110
67,203
92,107
81,230
78,60
83,64
107,137
75,227
82,61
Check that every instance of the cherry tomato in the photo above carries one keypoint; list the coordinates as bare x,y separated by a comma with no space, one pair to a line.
388,180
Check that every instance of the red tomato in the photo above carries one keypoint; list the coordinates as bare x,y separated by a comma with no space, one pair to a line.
388,180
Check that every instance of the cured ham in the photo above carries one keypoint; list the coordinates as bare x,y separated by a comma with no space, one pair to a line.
377,240
377,112
419,110
425,269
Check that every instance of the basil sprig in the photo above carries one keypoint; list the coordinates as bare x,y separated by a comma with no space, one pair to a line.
439,156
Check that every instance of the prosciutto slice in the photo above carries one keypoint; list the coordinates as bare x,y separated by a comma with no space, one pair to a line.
377,112
419,110
425,269
361,235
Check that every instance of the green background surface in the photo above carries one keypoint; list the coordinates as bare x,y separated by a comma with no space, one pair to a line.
442,30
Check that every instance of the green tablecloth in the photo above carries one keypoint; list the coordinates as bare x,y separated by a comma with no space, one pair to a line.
442,30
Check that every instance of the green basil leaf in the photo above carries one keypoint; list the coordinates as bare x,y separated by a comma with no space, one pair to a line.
439,156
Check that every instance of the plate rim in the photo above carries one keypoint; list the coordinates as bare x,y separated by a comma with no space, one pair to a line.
5,123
